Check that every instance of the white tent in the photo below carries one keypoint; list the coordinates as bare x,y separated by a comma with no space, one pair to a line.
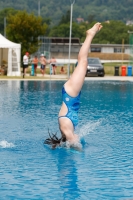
10,54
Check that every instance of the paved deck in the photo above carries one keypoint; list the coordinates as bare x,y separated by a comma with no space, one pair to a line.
111,78
64,77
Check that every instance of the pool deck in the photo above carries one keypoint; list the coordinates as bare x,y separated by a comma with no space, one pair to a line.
64,77
111,78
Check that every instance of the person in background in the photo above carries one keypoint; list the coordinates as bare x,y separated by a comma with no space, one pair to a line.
53,63
25,63
62,70
35,62
43,62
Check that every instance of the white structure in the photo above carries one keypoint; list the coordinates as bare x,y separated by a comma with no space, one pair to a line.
10,52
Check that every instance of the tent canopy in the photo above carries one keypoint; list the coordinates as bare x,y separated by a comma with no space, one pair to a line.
5,43
10,53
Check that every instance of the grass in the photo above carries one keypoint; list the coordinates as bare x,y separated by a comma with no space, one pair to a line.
110,68
109,56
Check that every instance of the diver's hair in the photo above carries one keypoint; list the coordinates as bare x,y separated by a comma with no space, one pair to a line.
53,140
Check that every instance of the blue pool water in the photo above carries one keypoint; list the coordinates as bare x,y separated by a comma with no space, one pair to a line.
31,170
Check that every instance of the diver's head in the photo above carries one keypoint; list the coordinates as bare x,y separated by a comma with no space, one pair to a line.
54,141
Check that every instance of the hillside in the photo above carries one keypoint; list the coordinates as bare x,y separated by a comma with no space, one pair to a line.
99,10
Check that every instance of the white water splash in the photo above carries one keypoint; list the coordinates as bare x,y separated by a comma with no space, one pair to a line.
76,145
5,144
88,128
83,131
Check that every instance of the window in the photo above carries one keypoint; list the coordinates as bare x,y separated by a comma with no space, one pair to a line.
118,50
93,61
95,49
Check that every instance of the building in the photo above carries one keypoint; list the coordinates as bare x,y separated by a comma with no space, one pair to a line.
79,20
59,47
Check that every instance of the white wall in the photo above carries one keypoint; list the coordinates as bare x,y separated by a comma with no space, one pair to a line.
107,50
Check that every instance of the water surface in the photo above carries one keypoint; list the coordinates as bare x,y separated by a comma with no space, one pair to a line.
31,170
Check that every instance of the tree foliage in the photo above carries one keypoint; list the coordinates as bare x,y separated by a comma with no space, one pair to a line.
65,18
113,32
63,30
3,15
101,9
25,28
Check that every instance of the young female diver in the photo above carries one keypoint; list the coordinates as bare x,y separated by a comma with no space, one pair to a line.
68,115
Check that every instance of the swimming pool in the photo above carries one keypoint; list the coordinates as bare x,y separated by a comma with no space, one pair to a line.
31,170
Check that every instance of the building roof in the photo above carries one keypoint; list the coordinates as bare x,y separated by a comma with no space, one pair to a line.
64,40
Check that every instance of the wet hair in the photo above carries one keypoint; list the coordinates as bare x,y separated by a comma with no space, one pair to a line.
54,141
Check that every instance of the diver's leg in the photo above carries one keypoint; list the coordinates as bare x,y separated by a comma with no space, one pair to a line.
74,84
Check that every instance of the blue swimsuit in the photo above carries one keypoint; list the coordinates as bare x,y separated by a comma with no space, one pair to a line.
72,104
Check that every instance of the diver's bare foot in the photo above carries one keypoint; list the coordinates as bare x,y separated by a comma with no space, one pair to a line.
97,27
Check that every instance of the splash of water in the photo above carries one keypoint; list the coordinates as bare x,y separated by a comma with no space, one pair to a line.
77,145
83,131
88,128
5,144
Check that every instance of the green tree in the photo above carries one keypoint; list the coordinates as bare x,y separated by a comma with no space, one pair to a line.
63,30
91,18
113,32
25,28
101,9
60,31
48,22
4,14
65,18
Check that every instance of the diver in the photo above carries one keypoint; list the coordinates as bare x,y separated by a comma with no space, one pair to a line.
68,114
